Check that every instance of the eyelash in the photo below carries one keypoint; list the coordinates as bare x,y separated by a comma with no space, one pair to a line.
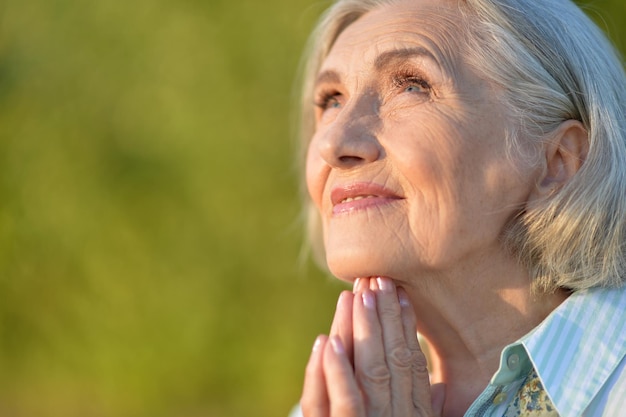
400,80
407,79
325,98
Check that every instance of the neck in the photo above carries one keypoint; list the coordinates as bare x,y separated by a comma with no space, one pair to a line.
467,319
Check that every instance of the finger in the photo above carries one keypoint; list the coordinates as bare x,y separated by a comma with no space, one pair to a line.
421,389
314,400
342,322
373,284
360,284
343,391
438,394
398,355
369,356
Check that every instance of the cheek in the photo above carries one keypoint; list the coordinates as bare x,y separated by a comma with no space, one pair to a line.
427,155
315,176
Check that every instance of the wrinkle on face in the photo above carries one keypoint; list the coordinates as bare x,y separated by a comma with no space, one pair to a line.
445,151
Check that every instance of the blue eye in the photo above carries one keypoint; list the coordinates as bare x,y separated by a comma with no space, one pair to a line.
415,85
414,89
332,103
411,83
328,101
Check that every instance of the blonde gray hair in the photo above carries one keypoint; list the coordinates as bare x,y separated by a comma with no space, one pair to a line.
553,64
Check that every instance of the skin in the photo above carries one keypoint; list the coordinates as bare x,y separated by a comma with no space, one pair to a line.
438,146
397,106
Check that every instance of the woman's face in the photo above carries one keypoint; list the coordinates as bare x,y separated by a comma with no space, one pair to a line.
408,165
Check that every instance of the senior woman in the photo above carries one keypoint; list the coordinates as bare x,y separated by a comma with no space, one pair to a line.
466,166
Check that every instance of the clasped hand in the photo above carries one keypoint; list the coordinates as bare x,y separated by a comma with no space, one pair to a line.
371,364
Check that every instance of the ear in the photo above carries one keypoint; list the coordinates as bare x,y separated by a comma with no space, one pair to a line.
563,155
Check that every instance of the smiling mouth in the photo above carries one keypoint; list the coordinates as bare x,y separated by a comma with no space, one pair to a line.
359,196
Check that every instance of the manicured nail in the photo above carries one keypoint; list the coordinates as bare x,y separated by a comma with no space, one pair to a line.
339,299
337,345
317,344
356,284
403,298
369,299
384,284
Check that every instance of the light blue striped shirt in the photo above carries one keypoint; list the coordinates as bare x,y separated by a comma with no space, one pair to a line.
578,352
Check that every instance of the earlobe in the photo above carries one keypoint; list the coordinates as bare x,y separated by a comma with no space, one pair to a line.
564,154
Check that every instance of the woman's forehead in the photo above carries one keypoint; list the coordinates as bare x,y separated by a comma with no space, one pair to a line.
418,25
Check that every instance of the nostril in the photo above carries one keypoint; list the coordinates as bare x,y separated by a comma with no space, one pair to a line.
350,159
346,147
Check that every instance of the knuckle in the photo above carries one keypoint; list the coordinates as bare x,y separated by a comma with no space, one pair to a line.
305,403
400,358
309,406
389,310
375,375
419,364
375,409
348,405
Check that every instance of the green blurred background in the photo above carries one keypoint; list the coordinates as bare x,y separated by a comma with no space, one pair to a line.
149,214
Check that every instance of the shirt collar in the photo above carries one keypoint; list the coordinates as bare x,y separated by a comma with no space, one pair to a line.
574,350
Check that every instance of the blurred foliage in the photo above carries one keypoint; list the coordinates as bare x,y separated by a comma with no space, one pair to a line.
149,213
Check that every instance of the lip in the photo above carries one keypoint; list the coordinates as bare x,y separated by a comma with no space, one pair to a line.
360,195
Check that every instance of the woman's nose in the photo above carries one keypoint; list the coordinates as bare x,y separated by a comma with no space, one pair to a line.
350,141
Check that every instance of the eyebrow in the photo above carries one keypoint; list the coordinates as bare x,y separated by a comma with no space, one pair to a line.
328,76
386,58
383,60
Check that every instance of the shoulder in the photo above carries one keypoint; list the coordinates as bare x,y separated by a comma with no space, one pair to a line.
579,352
611,399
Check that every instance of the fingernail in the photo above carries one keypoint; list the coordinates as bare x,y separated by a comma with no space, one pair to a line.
337,345
384,284
339,299
403,298
369,299
356,284
317,344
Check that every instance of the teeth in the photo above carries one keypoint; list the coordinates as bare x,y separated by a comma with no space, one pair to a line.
359,197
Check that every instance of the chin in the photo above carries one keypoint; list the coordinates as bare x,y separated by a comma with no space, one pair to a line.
350,262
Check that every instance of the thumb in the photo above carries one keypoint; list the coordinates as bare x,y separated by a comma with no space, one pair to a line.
437,398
